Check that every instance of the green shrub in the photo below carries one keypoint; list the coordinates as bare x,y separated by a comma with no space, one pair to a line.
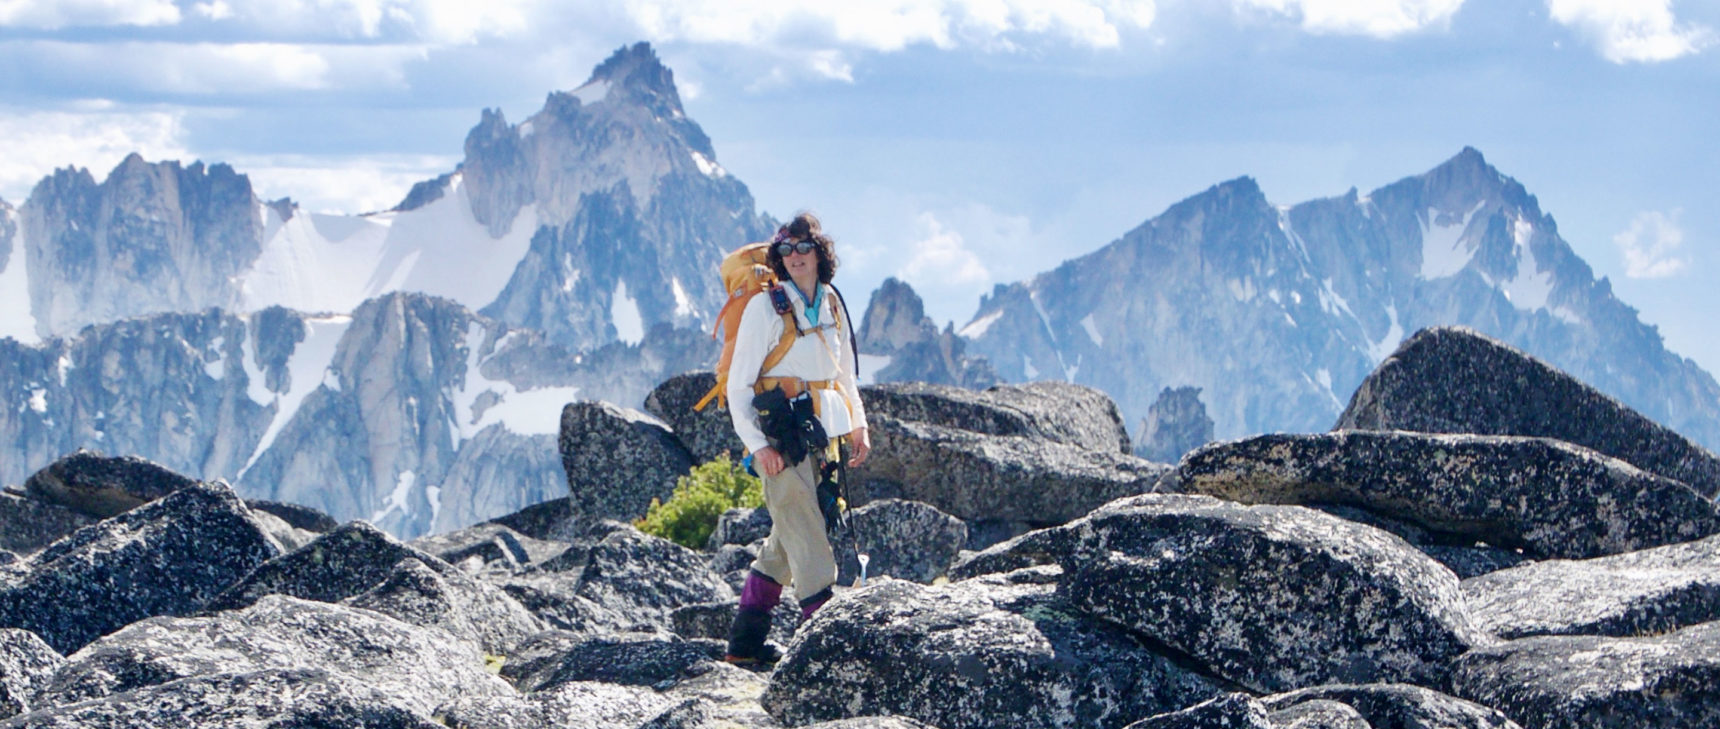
700,497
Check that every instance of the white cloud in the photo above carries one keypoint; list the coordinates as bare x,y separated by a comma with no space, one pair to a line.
1649,244
40,142
1642,31
1377,18
55,14
212,68
886,25
340,184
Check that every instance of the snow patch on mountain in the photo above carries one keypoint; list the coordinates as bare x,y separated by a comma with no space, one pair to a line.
482,402
307,370
592,92
977,327
1531,287
1443,250
398,498
1092,330
16,319
624,315
320,263
709,168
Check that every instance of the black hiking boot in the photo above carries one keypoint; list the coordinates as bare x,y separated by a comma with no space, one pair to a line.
746,640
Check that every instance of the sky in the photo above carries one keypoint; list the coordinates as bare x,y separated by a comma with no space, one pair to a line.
955,144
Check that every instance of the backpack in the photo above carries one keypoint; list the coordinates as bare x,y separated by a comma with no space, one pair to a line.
746,273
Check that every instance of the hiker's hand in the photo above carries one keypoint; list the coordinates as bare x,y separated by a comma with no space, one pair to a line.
861,445
768,461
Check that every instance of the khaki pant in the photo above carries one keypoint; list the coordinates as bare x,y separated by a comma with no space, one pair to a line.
797,550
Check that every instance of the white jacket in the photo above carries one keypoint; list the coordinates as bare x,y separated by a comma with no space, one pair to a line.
822,354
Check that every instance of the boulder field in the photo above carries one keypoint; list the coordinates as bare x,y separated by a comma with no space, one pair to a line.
1483,543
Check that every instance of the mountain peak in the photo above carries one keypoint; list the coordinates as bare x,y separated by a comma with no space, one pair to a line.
637,69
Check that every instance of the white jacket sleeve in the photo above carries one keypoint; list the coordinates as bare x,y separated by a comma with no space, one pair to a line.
759,330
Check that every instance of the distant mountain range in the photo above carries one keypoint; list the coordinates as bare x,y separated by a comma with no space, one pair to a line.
409,366
1278,312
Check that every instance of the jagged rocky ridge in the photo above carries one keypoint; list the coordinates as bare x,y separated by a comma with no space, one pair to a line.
1275,312
412,412
1315,601
404,367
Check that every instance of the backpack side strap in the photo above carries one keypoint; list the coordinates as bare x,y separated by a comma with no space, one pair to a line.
719,392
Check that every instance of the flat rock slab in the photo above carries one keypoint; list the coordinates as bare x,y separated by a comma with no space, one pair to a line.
1581,682
1549,498
1274,598
418,668
267,699
979,653
1061,412
1638,593
1393,705
168,557
1457,380
975,476
100,486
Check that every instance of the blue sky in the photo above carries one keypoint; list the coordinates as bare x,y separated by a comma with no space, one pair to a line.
957,144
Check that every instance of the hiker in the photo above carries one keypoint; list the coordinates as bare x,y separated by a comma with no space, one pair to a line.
791,418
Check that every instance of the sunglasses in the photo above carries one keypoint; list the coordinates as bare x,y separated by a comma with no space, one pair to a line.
784,248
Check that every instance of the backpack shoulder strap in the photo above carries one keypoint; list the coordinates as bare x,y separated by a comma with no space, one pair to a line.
790,332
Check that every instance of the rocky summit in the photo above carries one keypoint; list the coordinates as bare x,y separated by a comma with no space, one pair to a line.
1025,571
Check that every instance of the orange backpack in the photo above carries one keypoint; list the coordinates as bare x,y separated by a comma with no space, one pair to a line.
745,274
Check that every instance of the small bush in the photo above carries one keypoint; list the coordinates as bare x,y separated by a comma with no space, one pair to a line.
700,497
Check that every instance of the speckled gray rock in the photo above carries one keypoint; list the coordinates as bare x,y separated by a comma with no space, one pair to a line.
417,667
26,666
466,608
1457,380
646,578
980,653
617,460
977,476
267,699
1392,705
1273,597
489,545
1638,593
348,561
551,520
296,515
1230,711
575,705
27,525
740,526
730,693
554,598
1550,498
632,659
1582,682
96,485
1319,714
904,539
706,433
167,557
1053,410
872,722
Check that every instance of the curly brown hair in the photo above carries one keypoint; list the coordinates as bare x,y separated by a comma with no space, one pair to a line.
805,226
